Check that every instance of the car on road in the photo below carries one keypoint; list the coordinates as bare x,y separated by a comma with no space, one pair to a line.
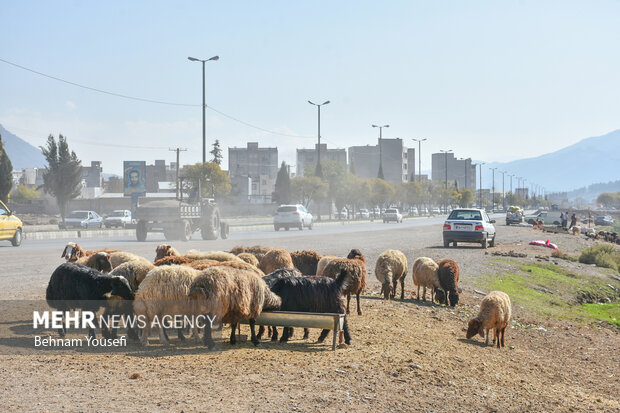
343,214
292,216
363,214
604,220
10,226
392,214
119,218
82,219
413,212
469,225
435,211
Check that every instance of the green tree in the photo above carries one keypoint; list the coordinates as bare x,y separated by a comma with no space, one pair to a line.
23,193
308,188
381,191
467,198
608,199
209,176
6,174
282,193
216,152
62,177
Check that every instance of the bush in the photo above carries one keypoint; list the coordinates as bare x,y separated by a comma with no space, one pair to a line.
562,255
602,255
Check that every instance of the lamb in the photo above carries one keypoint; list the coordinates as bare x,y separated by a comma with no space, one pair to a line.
314,295
355,266
274,260
495,311
99,261
233,294
258,251
164,292
134,272
448,273
306,261
76,286
249,258
323,263
390,268
425,275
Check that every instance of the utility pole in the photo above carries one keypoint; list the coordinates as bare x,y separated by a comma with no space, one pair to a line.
493,195
178,151
419,141
480,189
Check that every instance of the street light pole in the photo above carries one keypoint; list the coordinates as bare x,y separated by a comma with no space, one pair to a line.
503,191
445,152
318,171
204,105
419,141
380,173
493,195
480,189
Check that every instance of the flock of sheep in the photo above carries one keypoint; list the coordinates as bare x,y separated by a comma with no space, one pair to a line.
240,284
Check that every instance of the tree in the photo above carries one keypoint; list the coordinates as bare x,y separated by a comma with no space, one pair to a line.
216,152
381,191
6,174
282,193
62,177
467,198
608,199
23,193
209,176
308,188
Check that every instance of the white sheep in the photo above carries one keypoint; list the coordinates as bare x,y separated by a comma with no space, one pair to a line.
495,311
425,275
391,267
134,271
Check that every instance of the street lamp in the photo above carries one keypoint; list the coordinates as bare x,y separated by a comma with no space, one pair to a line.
480,189
204,106
503,191
493,195
419,141
445,152
318,171
380,174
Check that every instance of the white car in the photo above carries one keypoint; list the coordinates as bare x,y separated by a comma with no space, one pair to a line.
81,219
469,225
292,216
119,218
435,211
392,214
413,212
363,214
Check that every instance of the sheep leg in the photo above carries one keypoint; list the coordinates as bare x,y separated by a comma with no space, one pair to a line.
233,335
306,333
180,334
486,332
261,331
274,333
132,333
206,338
254,340
323,335
345,330
163,337
285,334
402,289
424,294
91,332
144,339
418,296
348,302
502,331
359,310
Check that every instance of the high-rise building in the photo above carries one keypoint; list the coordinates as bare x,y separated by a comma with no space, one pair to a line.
397,161
309,157
260,164
460,171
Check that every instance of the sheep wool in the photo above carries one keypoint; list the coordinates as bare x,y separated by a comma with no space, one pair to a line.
173,260
425,275
249,258
306,261
134,271
275,259
211,255
258,251
390,268
495,312
448,273
119,257
355,266
323,263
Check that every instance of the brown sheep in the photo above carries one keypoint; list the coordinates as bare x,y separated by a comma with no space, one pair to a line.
258,251
276,259
240,265
323,263
390,268
99,261
495,312
173,260
249,258
73,252
306,261
448,273
204,264
425,275
165,250
355,266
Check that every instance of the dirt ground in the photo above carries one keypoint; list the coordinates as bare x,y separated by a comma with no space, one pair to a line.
405,355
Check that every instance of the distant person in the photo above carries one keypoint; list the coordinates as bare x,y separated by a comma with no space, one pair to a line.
573,221
564,219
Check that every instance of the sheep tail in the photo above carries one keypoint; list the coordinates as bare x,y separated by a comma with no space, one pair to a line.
342,280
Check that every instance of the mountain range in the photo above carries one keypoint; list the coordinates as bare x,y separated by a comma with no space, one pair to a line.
21,153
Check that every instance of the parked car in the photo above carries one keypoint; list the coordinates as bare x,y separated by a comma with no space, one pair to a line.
119,218
10,226
292,216
82,219
376,212
435,211
604,220
343,214
514,215
413,212
469,225
423,211
392,214
363,214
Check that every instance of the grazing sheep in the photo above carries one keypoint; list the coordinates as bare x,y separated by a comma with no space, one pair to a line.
313,295
173,260
306,261
211,255
270,279
100,261
249,258
448,273
164,292
258,251
390,268
76,286
425,275
119,257
323,263
355,266
134,272
495,311
274,260
234,295
165,250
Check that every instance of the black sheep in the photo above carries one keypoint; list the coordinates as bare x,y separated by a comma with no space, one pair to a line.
76,286
313,295
270,279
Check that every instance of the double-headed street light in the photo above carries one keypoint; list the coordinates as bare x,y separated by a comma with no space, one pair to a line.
319,171
380,173
204,106
419,141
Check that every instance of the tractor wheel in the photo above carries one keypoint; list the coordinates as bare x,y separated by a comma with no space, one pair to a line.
211,224
185,230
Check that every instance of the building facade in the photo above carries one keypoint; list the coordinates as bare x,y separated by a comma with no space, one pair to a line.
396,160
460,171
259,164
309,157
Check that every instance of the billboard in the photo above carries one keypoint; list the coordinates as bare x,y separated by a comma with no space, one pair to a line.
134,177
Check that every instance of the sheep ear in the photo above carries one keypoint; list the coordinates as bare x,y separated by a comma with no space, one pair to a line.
64,253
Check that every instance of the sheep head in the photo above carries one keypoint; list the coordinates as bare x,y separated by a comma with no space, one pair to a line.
440,296
386,290
355,253
102,262
474,327
454,298
162,251
72,252
121,288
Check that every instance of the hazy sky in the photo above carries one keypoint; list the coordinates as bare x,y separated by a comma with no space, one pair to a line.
491,80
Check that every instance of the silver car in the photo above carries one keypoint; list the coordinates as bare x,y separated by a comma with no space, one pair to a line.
82,219
292,216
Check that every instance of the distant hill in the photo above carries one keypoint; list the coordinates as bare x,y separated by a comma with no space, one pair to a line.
21,153
589,161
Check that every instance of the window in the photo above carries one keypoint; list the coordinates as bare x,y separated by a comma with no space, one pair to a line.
466,215
3,211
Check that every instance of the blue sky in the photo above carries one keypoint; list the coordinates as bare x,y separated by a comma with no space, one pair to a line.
494,81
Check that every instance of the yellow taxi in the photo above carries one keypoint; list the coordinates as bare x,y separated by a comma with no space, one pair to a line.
10,226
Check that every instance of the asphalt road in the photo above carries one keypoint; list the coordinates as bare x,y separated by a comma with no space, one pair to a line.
25,271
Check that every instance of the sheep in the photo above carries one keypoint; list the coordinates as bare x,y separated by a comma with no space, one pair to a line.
211,255
314,295
576,230
204,264
306,261
76,286
99,261
249,258
73,252
495,311
323,263
234,294
274,260
448,273
164,292
355,266
425,275
165,250
240,265
270,279
134,271
390,268
173,260
258,251
119,257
